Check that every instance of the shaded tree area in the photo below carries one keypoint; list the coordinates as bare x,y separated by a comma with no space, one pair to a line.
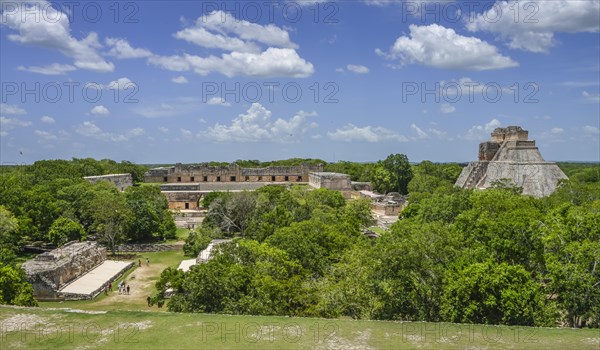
581,172
455,255
50,202
392,174
291,238
14,288
357,171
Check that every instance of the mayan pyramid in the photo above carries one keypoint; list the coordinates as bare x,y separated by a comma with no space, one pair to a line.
510,155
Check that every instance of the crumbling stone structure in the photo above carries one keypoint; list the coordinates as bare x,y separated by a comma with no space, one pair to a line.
122,181
184,184
51,271
230,173
511,155
390,204
332,181
184,196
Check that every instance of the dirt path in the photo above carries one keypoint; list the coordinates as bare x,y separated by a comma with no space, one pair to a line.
141,284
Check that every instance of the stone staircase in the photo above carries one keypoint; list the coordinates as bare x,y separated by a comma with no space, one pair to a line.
476,174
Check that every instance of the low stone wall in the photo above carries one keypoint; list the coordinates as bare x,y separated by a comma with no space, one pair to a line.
149,247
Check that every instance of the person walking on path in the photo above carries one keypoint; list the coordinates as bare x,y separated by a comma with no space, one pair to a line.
127,289
147,262
139,262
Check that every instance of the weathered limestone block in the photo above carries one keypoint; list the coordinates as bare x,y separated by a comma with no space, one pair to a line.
50,271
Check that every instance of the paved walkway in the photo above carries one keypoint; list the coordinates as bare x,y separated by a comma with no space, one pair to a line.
204,255
95,278
186,264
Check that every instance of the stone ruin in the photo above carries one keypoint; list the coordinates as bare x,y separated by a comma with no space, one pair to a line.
390,204
511,155
49,272
329,180
122,181
193,173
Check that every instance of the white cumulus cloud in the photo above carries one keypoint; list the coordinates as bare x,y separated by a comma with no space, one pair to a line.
180,80
538,21
249,49
90,129
441,47
592,130
47,120
121,48
218,101
256,125
353,133
273,62
482,132
51,69
6,109
358,69
590,97
420,133
447,108
121,84
246,37
100,110
40,24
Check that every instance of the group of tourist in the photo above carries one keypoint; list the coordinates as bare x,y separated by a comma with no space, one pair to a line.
140,262
123,288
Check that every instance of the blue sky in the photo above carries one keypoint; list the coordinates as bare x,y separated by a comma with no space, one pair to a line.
191,81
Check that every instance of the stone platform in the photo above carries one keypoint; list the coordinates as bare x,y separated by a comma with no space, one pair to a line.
92,283
186,264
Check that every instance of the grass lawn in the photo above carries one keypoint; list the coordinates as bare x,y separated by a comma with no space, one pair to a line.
38,328
182,234
140,279
126,322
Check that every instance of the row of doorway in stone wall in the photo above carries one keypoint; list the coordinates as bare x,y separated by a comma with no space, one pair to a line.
234,179
186,205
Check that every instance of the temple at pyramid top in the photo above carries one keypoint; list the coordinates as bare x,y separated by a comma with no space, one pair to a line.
510,155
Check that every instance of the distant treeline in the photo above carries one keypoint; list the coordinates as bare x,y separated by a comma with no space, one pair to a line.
77,168
583,172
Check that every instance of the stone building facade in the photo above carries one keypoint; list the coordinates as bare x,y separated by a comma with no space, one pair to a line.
49,272
332,181
511,155
197,173
185,184
122,181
